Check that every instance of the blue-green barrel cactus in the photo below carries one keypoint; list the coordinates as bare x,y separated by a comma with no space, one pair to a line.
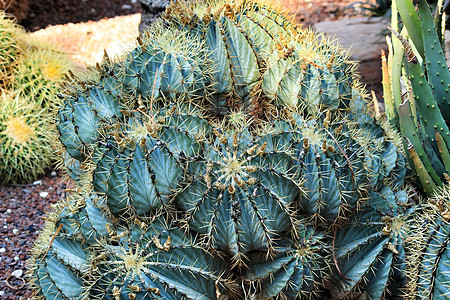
337,163
238,194
238,37
428,268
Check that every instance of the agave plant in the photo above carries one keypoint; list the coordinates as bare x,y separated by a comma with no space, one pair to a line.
422,114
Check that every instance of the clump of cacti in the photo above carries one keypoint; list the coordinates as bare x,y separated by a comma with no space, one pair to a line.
30,77
237,160
416,80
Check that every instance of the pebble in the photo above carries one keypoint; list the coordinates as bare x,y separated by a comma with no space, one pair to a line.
16,258
2,250
37,182
17,273
134,1
127,6
43,194
8,210
53,173
15,231
5,226
2,293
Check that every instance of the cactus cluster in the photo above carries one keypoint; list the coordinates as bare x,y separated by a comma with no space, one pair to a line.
416,80
30,76
235,161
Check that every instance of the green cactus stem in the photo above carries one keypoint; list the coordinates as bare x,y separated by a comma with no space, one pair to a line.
370,249
295,272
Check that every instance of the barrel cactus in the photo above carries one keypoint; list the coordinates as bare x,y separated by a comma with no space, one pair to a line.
204,171
26,146
371,248
39,73
11,40
428,274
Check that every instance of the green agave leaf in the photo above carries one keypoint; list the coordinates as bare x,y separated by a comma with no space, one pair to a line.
437,69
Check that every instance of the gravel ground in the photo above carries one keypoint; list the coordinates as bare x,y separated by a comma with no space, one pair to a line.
21,211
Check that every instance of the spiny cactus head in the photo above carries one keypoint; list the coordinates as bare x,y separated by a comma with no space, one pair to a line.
310,71
25,141
11,43
370,251
427,270
190,12
153,148
39,73
295,271
167,64
239,194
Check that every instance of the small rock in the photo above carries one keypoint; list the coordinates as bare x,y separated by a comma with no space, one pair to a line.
17,273
8,210
15,231
2,293
37,182
126,6
5,226
53,173
26,191
2,250
16,258
134,1
43,194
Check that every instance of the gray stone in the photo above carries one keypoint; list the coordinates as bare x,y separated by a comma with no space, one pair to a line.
17,273
151,9
364,36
